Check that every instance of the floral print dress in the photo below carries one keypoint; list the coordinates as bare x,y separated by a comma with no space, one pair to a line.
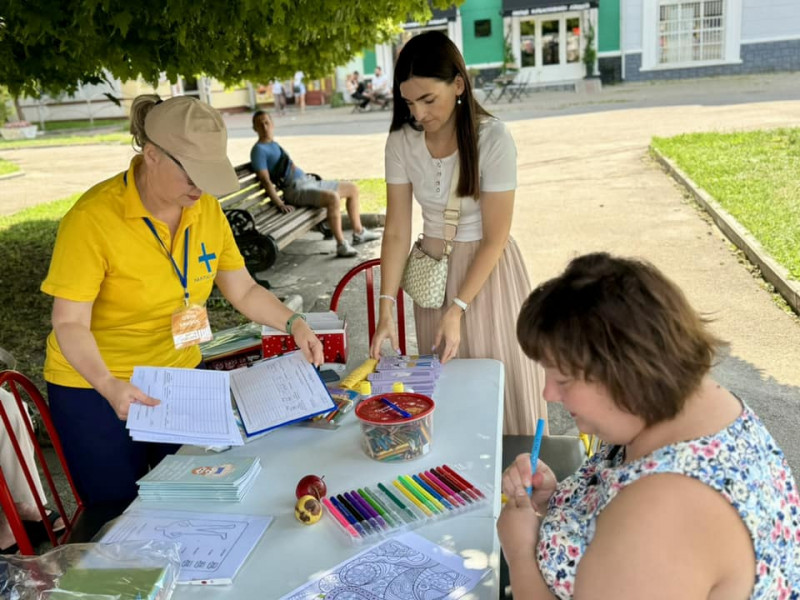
742,462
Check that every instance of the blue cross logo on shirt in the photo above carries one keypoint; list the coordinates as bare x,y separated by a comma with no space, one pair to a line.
206,257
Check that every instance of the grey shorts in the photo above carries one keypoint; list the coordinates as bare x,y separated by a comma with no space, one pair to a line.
307,191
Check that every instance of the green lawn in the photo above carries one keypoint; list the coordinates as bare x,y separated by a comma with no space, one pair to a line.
68,140
7,167
121,124
755,176
26,243
371,195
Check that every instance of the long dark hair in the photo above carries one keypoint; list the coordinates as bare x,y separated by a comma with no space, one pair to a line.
432,54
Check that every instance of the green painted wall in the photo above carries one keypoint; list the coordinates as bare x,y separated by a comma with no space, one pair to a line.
370,62
484,49
608,24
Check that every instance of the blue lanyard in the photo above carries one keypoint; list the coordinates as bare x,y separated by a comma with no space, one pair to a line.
183,277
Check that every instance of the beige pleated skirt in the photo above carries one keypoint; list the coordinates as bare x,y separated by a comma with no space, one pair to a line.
488,329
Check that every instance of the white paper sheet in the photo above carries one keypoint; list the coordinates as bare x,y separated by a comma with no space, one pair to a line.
213,545
195,407
279,391
407,563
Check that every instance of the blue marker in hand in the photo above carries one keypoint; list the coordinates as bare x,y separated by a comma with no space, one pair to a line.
537,444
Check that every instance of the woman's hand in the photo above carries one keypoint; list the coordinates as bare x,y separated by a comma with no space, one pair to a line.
518,476
449,333
307,342
385,330
121,394
518,529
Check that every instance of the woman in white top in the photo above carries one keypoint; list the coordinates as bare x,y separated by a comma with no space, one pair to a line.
300,90
437,123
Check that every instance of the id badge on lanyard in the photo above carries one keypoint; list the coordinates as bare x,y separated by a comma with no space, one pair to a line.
190,324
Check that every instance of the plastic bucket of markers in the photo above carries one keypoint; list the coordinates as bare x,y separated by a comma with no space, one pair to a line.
389,436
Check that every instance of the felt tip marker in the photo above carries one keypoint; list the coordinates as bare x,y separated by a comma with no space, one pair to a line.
356,513
432,492
456,484
454,501
445,488
349,516
340,517
387,505
373,502
407,514
418,503
403,413
537,445
374,518
415,489
466,483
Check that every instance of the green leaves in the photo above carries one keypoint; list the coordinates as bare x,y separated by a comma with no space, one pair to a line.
52,45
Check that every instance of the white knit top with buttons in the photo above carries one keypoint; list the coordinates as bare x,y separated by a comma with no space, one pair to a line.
409,161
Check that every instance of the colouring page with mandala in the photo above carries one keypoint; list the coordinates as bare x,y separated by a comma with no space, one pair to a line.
405,567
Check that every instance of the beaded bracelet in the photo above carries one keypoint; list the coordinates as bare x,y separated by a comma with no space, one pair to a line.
388,297
292,319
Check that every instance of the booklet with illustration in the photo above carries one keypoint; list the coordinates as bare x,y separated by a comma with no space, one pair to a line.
202,478
279,391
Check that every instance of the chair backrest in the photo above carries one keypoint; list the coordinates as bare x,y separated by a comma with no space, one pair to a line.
25,394
369,267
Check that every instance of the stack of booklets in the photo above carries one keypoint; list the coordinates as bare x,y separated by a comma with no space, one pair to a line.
216,478
416,373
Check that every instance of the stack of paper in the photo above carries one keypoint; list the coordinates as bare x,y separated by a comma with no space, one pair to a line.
195,408
202,478
416,373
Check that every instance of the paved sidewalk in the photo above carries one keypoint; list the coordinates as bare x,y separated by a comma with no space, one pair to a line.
586,183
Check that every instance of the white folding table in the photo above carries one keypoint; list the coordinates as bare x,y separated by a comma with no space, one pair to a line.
467,435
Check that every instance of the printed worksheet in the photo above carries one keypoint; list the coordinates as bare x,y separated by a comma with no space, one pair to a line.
278,391
406,566
195,407
213,546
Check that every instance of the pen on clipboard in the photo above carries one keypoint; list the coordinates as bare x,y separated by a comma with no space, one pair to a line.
537,444
210,581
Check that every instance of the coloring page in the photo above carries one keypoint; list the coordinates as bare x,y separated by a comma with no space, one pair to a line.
405,567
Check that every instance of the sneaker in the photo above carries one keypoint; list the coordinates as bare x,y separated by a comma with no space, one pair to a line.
345,250
365,236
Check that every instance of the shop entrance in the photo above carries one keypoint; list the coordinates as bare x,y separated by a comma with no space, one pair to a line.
550,47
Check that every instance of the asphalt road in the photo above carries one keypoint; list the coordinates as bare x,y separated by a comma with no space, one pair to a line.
586,183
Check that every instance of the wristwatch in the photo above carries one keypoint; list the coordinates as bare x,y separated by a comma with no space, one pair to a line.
461,304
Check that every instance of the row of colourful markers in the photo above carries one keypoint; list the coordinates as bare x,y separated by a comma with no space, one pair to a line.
406,502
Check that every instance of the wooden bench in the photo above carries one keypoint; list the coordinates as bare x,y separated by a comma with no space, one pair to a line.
260,229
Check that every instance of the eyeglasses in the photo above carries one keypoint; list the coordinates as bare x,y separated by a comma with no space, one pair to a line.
177,162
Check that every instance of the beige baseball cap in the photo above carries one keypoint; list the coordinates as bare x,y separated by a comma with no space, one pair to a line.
194,133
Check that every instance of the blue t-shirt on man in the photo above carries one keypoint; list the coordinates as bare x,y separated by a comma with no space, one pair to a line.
266,156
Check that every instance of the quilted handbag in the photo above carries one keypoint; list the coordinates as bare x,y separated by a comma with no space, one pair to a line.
424,276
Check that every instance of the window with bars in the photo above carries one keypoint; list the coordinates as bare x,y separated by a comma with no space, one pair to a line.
691,31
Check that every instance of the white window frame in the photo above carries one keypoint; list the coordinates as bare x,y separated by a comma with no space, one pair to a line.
732,15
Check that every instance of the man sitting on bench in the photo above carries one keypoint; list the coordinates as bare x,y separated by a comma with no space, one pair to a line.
275,169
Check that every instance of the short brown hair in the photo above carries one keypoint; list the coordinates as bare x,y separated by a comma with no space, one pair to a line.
620,322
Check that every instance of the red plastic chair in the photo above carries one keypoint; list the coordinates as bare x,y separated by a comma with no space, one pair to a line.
369,268
22,387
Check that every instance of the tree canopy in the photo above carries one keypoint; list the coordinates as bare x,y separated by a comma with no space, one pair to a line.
52,45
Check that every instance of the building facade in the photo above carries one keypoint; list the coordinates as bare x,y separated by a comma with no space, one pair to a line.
636,40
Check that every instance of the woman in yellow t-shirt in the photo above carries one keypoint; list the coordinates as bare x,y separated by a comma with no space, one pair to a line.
134,262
